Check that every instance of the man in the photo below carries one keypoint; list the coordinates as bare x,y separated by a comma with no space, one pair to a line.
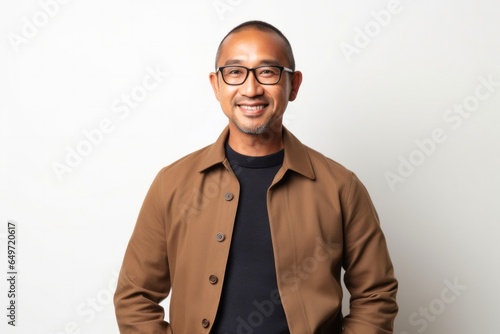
249,235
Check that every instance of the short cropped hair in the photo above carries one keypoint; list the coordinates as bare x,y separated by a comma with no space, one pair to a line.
262,26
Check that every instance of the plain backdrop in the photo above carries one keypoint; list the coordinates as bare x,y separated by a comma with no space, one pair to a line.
404,93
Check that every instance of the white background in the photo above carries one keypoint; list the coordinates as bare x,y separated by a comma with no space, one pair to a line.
366,110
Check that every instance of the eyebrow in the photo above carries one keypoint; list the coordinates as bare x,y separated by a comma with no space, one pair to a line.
262,62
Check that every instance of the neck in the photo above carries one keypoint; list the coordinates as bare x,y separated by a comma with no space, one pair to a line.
269,142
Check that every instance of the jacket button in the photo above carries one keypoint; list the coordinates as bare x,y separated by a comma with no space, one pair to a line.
228,196
220,237
213,279
205,323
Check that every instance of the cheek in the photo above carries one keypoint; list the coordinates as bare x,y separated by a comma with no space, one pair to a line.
227,95
280,97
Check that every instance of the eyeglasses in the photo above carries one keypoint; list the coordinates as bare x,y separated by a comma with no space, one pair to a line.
265,75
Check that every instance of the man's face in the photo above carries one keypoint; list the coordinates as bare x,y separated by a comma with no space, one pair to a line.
252,107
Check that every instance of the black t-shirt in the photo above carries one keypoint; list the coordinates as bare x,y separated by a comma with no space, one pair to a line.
250,299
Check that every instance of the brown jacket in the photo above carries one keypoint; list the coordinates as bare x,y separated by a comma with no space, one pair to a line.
321,220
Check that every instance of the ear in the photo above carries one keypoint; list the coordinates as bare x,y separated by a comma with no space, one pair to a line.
296,81
214,81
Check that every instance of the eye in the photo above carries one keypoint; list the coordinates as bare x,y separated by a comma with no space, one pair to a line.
233,71
268,71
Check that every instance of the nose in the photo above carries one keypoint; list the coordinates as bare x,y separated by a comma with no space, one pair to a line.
251,87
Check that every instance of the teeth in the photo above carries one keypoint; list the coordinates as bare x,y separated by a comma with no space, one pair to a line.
252,107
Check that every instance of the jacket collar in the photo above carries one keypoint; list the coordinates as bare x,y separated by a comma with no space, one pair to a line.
296,155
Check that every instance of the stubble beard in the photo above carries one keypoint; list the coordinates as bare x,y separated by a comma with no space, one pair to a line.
255,129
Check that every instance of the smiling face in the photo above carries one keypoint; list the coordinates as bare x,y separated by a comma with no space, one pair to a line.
252,107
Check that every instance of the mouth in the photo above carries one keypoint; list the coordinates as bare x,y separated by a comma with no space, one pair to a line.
252,109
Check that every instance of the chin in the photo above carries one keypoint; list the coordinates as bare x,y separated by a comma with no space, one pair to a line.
252,130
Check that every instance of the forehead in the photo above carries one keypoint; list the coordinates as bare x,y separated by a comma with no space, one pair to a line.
252,47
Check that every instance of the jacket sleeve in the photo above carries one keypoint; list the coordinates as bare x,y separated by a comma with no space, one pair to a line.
369,274
144,279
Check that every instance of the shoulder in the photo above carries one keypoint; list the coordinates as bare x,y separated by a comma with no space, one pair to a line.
325,166
189,162
310,162
185,169
331,175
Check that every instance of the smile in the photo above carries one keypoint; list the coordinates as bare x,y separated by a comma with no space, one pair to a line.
252,108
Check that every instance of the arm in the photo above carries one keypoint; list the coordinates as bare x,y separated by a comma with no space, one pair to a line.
144,279
369,274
